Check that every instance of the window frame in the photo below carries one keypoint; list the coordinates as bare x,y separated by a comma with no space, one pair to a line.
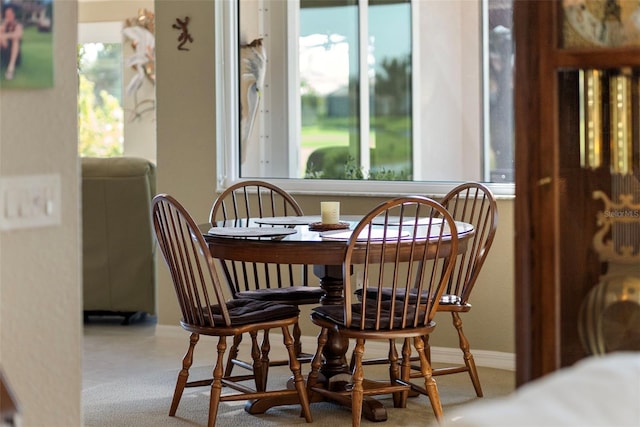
227,112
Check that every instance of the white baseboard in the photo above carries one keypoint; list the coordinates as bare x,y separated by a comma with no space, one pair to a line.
485,358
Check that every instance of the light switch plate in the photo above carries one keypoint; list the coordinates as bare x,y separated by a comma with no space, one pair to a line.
29,201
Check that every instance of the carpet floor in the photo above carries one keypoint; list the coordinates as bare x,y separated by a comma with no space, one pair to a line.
129,374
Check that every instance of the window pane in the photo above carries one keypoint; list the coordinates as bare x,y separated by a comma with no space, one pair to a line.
501,90
329,88
100,114
391,126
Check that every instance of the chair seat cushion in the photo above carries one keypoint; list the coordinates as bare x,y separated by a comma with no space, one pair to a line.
335,314
297,294
247,311
446,299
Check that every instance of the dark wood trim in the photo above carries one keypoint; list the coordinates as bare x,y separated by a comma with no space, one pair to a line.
555,215
536,290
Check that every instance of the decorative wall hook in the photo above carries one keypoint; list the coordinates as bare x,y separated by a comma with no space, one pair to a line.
184,36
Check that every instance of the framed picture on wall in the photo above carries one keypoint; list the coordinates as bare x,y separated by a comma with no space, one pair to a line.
26,44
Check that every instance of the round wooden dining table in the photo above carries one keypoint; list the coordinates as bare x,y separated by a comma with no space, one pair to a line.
325,251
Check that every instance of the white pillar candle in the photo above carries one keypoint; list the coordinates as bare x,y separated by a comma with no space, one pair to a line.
330,212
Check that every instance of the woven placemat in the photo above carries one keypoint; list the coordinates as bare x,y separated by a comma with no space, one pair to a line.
319,226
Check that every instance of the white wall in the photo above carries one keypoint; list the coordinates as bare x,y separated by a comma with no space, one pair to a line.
40,284
185,90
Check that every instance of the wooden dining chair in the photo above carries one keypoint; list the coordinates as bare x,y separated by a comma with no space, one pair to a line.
205,312
473,203
282,283
390,248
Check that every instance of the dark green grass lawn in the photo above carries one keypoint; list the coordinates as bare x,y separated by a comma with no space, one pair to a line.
36,68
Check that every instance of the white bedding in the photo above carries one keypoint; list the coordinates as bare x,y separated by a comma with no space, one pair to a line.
597,391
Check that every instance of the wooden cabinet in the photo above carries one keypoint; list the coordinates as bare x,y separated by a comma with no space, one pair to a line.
556,264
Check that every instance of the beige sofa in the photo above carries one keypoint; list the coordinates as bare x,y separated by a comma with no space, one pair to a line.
117,237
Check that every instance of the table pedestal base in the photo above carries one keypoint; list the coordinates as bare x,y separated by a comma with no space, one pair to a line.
334,374
260,406
372,409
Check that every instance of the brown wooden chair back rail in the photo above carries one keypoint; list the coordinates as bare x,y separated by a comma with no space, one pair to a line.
205,312
282,283
473,203
253,199
235,207
392,250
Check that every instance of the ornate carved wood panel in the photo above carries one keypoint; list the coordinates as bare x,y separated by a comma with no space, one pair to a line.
556,213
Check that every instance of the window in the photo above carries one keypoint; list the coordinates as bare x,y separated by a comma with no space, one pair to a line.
391,95
116,97
100,112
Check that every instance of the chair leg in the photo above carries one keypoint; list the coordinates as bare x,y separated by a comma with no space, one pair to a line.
400,397
233,354
468,357
394,372
258,366
297,344
298,379
183,376
265,348
429,382
316,362
357,392
427,347
352,361
216,384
